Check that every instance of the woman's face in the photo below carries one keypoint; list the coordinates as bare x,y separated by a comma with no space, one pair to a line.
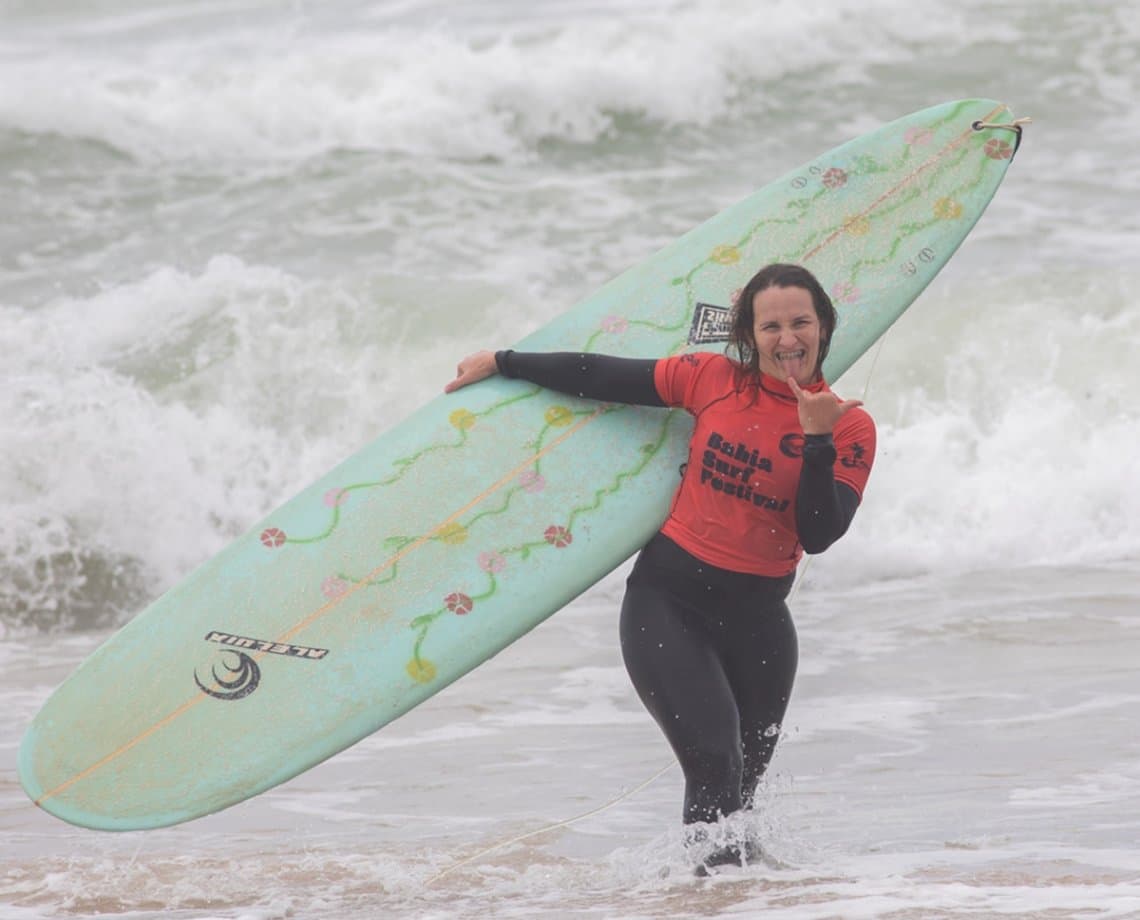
787,333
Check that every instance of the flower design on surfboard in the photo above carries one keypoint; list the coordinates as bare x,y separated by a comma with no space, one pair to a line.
273,537
334,586
845,292
463,419
459,603
918,137
558,536
835,177
558,416
492,563
421,670
997,149
947,209
451,533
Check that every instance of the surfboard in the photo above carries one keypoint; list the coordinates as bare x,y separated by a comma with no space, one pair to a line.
487,510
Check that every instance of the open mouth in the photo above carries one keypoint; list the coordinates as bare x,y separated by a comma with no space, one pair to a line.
792,363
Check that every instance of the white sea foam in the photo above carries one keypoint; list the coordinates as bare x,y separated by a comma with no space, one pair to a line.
1003,431
295,85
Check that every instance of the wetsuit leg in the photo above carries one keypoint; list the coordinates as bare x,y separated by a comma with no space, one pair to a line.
679,676
761,668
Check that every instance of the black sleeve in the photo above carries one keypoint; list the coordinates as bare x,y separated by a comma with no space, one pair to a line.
824,507
601,377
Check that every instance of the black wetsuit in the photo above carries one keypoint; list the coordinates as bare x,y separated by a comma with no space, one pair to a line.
711,652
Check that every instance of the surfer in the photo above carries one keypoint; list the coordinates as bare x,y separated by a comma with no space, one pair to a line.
777,466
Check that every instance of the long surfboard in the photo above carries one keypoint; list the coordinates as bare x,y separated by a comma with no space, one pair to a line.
465,526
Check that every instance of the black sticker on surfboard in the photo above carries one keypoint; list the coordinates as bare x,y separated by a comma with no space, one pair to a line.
710,324
240,679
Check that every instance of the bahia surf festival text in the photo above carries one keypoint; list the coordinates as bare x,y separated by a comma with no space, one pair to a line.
734,478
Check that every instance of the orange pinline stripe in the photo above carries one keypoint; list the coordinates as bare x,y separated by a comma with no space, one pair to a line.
490,490
322,611
99,764
906,180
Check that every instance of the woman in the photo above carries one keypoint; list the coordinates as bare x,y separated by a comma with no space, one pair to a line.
777,466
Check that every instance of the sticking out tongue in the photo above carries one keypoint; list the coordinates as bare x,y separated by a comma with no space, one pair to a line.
791,362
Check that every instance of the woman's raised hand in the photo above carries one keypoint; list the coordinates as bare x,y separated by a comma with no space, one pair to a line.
472,369
819,412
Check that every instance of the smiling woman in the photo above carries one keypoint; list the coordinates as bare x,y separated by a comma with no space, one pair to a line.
705,600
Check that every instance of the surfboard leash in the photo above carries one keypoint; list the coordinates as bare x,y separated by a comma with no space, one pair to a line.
549,827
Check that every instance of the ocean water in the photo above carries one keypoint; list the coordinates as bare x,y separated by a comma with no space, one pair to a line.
241,239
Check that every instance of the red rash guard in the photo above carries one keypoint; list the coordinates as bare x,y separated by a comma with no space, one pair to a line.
735,507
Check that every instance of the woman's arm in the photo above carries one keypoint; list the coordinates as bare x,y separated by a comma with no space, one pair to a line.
824,507
601,377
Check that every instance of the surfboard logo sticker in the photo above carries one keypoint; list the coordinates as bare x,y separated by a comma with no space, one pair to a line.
240,680
710,324
243,678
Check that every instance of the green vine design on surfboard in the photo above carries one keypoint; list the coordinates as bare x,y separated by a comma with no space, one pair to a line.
556,417
422,669
943,209
462,420
620,324
831,178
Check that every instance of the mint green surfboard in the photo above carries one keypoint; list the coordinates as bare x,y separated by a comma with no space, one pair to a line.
468,524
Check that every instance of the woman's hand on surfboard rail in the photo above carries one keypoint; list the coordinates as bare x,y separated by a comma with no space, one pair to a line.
472,369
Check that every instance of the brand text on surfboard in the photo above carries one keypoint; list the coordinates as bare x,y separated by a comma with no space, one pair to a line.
264,645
